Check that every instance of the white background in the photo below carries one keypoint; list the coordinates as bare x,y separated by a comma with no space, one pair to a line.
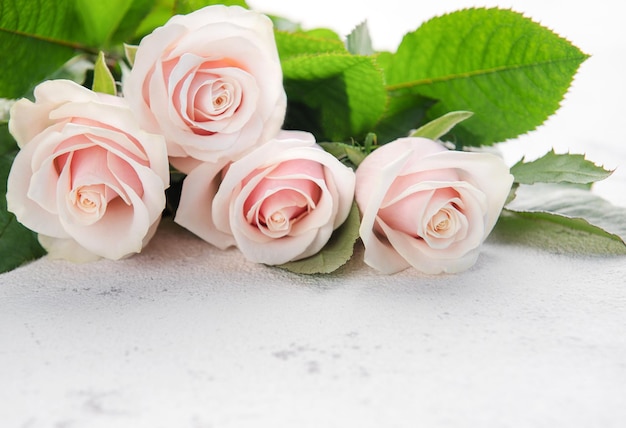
185,335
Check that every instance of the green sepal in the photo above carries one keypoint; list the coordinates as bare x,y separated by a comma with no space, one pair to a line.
130,51
103,80
437,128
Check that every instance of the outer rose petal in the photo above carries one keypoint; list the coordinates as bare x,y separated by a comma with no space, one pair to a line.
89,141
213,207
195,209
481,180
28,119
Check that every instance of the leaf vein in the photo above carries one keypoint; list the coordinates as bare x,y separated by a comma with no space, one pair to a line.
475,73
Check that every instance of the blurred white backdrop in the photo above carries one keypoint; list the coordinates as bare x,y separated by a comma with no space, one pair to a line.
591,117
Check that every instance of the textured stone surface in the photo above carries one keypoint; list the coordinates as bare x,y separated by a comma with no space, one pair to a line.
187,335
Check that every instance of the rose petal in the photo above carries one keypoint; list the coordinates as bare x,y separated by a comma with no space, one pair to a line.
195,210
29,119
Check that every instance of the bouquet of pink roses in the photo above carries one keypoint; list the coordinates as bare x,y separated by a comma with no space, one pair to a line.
285,143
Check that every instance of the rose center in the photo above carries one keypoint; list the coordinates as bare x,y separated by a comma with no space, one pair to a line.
276,214
440,223
214,99
89,203
277,222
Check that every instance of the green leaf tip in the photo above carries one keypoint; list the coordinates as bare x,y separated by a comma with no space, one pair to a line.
103,80
130,51
559,168
437,128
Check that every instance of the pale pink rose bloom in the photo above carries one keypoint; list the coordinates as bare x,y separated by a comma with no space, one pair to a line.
428,207
279,203
87,178
210,82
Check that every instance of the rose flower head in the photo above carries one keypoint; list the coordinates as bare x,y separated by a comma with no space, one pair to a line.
279,203
428,207
210,82
86,178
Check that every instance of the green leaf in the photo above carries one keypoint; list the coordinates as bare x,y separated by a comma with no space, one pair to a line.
101,18
293,44
562,236
402,114
336,96
36,38
136,13
161,11
558,168
359,41
342,151
335,253
7,142
439,127
510,71
17,244
573,207
103,80
75,69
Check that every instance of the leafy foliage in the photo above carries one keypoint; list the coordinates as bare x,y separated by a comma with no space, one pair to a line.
162,10
572,207
332,93
29,28
342,94
17,244
555,234
558,168
7,143
110,21
510,71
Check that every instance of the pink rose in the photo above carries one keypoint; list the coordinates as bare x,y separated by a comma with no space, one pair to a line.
428,207
87,179
279,203
210,82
